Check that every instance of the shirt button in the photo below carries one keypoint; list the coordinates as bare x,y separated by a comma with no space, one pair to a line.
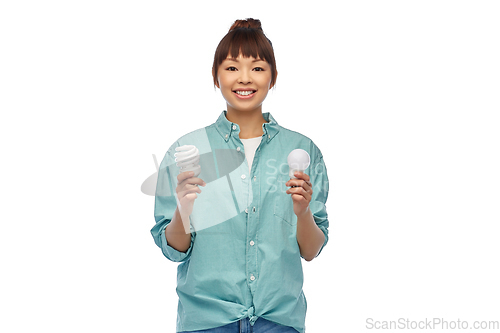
227,135
254,209
254,178
238,149
246,210
269,136
234,127
252,243
243,176
252,277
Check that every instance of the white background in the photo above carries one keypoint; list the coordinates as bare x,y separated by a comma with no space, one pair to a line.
402,97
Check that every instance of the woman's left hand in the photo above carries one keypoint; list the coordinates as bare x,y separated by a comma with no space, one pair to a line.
301,192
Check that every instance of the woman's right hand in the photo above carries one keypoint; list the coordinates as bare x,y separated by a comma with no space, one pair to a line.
187,187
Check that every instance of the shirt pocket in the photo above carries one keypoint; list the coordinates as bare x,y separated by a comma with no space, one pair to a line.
283,203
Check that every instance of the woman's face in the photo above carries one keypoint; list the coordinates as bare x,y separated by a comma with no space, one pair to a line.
244,83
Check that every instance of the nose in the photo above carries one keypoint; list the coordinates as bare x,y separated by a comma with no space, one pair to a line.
245,77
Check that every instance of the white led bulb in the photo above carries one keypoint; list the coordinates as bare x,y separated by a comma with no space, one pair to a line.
187,158
298,160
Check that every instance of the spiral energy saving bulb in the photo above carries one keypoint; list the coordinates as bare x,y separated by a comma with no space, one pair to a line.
298,160
187,158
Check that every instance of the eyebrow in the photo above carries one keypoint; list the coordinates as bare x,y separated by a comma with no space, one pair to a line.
236,60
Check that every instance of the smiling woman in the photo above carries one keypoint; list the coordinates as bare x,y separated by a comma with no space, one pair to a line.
245,264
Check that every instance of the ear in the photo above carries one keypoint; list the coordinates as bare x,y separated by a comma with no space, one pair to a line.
216,81
275,79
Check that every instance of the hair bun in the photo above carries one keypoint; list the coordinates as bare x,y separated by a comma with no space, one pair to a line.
249,23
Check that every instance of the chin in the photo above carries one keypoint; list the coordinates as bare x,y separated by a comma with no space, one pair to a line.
245,109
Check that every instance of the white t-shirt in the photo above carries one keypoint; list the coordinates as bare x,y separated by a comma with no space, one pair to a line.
250,146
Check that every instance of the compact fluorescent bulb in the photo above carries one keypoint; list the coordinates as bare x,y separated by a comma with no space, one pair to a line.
187,158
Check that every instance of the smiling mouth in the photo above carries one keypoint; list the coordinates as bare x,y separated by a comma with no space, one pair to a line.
244,92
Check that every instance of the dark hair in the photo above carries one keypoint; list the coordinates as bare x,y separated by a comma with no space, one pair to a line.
245,37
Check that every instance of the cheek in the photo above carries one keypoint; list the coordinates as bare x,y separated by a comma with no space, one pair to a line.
266,81
223,81
220,80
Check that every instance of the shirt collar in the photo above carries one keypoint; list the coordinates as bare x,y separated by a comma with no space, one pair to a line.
227,128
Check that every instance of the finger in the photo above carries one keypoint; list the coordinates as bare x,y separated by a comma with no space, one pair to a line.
298,197
294,182
299,182
183,192
187,186
308,187
296,190
184,175
191,181
300,191
301,175
186,191
308,196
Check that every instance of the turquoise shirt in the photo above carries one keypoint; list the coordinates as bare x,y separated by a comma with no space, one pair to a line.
244,259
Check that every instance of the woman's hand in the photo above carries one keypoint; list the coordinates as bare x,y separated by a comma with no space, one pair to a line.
187,187
301,191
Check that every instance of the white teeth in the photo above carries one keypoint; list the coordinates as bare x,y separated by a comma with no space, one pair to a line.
244,93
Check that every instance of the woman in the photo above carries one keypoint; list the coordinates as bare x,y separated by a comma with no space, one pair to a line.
240,239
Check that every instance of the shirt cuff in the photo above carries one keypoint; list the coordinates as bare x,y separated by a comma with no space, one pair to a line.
325,232
172,253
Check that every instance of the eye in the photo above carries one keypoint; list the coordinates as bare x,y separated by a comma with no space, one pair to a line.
231,69
258,69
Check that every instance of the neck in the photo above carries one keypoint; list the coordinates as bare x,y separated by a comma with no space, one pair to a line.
250,122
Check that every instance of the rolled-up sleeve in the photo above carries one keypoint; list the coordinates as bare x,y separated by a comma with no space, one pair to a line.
165,205
319,181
